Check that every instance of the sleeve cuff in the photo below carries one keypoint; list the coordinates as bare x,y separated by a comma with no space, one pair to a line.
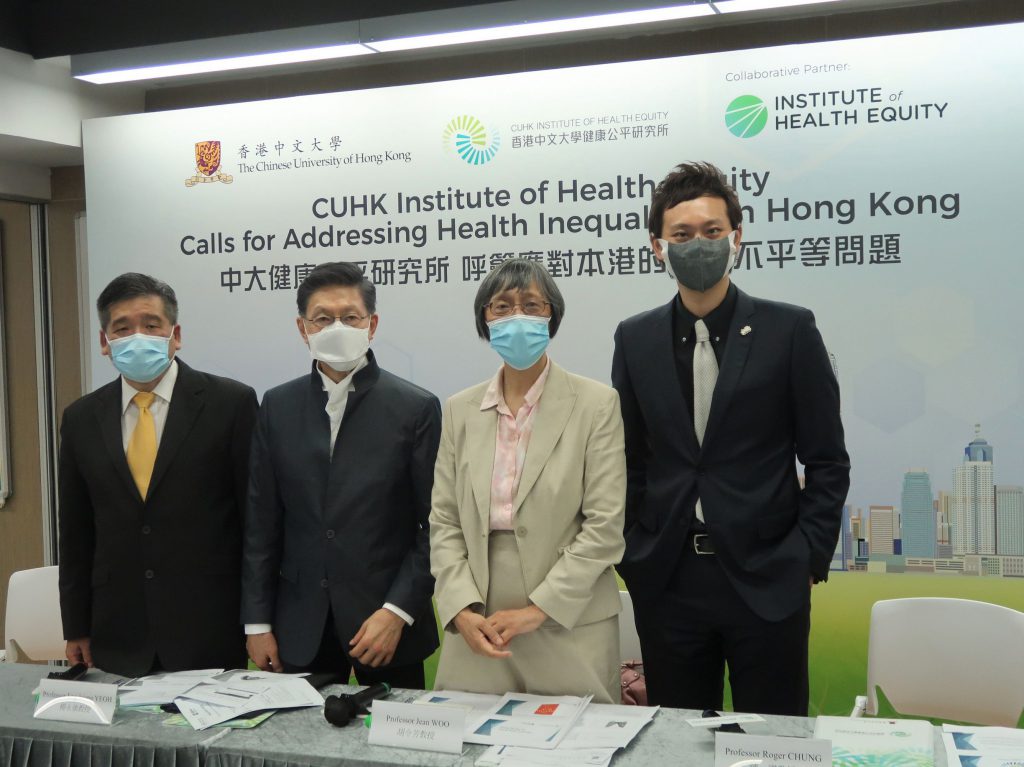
258,628
400,613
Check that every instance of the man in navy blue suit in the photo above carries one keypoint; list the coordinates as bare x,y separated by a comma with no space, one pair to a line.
721,395
336,566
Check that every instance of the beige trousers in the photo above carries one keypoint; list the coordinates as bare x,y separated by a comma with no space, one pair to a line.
549,661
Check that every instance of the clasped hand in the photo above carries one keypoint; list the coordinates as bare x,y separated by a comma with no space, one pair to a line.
490,635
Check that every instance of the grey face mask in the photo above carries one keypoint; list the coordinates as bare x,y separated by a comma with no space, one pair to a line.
699,264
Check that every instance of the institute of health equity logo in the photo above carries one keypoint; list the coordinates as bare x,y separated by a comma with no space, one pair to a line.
470,140
208,165
746,116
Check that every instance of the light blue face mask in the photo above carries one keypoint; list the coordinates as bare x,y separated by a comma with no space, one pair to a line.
141,358
520,339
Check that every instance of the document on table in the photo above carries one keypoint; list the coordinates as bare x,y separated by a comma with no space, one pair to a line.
534,721
209,704
592,741
473,702
158,689
517,756
982,746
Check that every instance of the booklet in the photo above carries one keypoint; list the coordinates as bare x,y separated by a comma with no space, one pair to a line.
881,742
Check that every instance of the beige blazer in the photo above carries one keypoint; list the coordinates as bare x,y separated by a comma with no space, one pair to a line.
568,513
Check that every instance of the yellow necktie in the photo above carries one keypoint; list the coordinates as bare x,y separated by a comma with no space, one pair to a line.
141,453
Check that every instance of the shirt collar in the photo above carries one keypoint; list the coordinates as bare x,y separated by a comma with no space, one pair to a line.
335,390
163,390
717,320
495,396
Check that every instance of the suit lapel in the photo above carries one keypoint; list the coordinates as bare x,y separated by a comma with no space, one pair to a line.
481,434
661,352
553,411
108,413
187,402
737,350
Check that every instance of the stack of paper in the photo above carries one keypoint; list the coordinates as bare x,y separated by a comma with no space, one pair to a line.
536,729
982,746
210,697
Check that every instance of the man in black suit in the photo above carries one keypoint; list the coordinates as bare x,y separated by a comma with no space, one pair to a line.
721,394
153,474
337,561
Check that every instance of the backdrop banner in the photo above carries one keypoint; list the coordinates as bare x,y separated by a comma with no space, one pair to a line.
879,179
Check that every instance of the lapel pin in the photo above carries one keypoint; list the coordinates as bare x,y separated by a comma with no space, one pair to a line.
745,330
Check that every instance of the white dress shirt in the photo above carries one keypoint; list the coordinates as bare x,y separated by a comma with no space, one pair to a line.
337,400
161,404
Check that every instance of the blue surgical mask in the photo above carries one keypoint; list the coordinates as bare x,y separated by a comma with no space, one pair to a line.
520,339
141,358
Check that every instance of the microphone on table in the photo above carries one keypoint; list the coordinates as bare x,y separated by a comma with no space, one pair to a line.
339,710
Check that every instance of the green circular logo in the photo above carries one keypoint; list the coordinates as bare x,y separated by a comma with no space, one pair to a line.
746,116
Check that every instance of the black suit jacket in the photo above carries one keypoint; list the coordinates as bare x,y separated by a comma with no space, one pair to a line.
158,577
776,400
349,532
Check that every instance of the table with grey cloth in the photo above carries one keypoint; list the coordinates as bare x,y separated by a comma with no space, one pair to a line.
298,738
135,739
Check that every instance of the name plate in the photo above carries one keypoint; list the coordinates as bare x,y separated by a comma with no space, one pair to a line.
732,749
418,726
66,701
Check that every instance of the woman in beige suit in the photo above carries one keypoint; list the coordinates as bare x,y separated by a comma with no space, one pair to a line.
528,504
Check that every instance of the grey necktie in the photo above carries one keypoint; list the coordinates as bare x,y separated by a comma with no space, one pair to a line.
705,373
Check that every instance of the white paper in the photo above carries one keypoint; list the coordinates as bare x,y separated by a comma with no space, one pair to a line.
982,746
472,701
207,705
157,689
607,726
534,721
417,726
513,756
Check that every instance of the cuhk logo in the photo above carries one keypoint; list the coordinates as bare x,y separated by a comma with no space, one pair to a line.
470,140
208,165
746,116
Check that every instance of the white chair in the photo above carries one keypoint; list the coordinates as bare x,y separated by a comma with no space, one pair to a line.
33,624
629,642
946,659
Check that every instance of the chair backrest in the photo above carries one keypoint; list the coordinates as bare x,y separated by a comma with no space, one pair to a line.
948,658
33,616
629,642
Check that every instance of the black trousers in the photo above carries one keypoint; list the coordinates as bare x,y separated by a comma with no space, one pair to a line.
332,657
700,624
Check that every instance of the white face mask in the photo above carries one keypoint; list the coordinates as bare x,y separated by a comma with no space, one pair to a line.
339,346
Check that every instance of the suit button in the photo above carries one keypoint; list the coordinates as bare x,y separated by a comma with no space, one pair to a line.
324,583
150,574
521,532
330,535
146,530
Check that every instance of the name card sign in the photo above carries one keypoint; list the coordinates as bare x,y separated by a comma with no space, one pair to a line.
734,750
67,701
417,726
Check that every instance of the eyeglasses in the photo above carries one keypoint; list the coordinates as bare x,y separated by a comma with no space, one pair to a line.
323,321
505,308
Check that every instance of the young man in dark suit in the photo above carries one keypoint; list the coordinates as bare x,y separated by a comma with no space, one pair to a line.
337,559
721,395
153,473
